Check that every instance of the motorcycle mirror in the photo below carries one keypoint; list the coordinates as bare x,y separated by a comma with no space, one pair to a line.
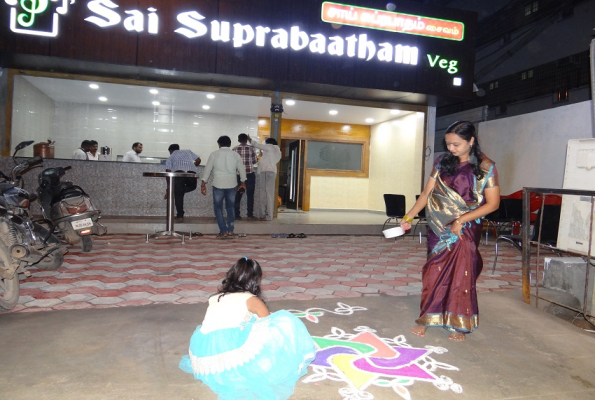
24,144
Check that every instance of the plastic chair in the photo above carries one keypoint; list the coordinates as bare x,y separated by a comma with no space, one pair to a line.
395,208
509,212
549,232
421,220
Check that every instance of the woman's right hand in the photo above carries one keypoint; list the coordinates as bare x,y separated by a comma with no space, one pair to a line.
405,225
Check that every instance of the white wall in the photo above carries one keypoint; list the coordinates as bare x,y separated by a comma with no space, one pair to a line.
37,117
530,149
32,115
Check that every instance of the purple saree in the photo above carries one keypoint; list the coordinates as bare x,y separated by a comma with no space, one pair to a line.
448,295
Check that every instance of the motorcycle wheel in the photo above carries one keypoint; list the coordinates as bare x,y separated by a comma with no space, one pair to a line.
86,243
9,288
52,261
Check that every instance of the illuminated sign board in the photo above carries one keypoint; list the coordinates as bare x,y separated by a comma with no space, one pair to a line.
335,13
392,60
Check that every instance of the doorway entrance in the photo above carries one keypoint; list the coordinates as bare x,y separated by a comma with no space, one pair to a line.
291,175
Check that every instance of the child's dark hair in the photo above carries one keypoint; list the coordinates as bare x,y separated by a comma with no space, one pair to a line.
465,130
244,276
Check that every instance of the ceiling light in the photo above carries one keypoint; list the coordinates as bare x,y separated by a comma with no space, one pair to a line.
114,117
206,107
110,110
103,98
196,123
262,122
290,102
210,96
333,112
94,86
153,91
394,112
369,120
156,103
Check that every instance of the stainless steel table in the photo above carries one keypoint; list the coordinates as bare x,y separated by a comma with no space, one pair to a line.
170,205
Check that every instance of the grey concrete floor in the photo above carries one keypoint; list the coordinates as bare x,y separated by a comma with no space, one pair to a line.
519,352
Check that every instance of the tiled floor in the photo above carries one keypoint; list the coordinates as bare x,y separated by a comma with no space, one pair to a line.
124,270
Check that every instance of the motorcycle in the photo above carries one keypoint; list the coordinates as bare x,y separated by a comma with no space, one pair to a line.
70,209
23,241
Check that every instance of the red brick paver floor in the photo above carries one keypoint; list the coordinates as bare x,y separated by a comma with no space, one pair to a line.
124,270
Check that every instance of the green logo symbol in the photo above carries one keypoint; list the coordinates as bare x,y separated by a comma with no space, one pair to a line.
32,8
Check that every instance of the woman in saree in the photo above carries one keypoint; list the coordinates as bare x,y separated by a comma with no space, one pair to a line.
462,188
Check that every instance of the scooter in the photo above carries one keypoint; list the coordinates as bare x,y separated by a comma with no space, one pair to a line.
23,242
70,209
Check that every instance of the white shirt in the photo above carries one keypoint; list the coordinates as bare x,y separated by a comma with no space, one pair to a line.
271,154
93,157
80,154
224,164
131,156
228,312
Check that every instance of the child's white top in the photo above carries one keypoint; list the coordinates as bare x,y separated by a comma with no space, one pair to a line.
229,311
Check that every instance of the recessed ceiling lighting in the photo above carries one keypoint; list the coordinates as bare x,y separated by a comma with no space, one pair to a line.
102,98
153,91
290,102
369,120
114,117
196,123
206,107
94,86
210,96
333,112
110,110
156,103
395,112
262,122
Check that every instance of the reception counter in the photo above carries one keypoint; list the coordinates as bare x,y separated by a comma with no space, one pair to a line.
119,189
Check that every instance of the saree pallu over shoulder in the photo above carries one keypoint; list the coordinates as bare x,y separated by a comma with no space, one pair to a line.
445,205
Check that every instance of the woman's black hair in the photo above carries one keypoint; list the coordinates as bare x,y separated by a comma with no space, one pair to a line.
466,131
244,276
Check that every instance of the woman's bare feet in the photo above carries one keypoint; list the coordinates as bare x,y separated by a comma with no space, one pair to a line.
457,337
419,330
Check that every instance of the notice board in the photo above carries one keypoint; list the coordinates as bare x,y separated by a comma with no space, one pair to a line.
576,217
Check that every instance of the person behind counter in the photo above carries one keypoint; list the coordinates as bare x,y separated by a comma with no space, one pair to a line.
132,155
182,161
92,153
81,152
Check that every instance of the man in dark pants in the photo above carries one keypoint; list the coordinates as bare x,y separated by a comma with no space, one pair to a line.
248,154
182,161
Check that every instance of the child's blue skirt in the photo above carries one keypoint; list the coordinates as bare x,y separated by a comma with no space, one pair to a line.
262,359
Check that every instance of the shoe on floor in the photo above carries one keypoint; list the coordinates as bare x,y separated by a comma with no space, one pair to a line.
179,219
221,236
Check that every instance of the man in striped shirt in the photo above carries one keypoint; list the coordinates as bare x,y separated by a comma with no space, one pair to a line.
248,154
182,161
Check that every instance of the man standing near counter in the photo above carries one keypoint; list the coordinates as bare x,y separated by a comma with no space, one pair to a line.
132,155
248,155
267,176
224,164
181,161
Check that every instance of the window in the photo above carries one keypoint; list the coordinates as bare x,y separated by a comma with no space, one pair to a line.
333,155
531,8
523,75
535,6
530,74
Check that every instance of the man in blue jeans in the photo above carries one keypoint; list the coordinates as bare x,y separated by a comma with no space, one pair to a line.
224,164
248,154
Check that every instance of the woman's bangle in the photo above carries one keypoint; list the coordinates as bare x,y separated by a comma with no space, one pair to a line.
458,222
407,218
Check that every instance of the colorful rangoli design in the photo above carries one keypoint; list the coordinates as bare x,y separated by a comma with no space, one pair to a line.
363,359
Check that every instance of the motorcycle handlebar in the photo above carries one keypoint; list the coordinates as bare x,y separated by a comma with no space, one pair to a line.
67,168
